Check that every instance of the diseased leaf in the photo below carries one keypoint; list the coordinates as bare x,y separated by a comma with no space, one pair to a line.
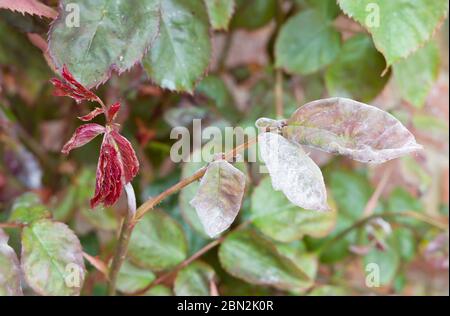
219,196
187,194
416,74
83,135
28,208
111,35
356,72
132,278
194,280
306,43
283,221
52,259
293,172
9,269
33,7
157,242
252,258
346,127
398,28
181,53
220,12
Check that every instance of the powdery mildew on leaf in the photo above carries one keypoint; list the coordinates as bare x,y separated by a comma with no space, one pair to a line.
52,259
32,7
219,196
354,129
293,172
9,269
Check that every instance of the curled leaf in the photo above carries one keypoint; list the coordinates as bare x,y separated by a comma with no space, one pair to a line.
9,269
117,166
83,135
91,115
293,172
70,87
219,196
347,127
113,110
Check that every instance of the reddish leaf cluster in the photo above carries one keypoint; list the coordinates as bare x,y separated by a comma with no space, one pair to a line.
117,164
70,87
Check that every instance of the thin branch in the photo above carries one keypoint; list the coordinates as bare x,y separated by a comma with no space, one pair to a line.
424,218
279,110
372,203
11,225
151,203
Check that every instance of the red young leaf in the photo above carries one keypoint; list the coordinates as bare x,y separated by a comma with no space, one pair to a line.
108,182
113,110
128,156
33,7
117,166
91,115
83,135
71,87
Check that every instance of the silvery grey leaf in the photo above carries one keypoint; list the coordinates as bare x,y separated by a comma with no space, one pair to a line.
293,172
219,196
354,129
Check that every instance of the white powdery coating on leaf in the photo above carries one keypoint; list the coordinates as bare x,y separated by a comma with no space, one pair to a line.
293,172
350,128
219,197
9,269
49,252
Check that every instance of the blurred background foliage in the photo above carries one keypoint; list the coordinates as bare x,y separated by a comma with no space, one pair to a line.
282,249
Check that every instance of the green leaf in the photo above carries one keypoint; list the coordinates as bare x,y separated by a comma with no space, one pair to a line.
328,290
132,278
356,73
159,290
112,35
387,261
254,259
28,208
181,53
215,89
401,200
220,13
157,242
253,14
281,220
328,8
52,259
104,218
307,42
403,241
398,28
307,262
9,269
416,74
194,280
